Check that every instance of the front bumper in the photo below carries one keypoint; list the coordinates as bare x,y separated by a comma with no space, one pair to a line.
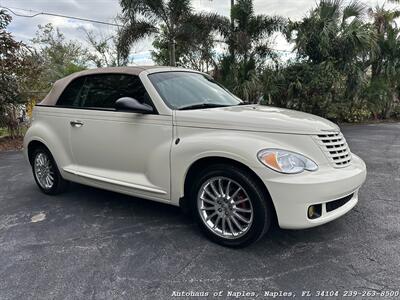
293,194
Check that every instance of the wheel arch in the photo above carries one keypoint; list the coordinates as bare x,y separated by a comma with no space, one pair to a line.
39,135
204,162
32,145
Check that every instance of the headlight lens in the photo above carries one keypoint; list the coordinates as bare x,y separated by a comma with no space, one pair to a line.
285,161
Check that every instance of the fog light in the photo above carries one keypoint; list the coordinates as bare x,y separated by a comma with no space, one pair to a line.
314,211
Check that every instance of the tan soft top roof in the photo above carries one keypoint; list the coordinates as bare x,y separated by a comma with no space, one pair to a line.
59,85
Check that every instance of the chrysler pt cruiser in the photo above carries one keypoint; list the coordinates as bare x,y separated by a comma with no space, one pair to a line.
176,136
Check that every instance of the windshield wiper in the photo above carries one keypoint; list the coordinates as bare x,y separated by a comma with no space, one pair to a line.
202,105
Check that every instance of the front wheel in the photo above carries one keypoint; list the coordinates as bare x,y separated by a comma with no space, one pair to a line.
230,207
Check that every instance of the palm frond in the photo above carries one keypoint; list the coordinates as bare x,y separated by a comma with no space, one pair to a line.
262,25
329,9
357,38
179,10
242,12
151,9
354,9
131,33
202,25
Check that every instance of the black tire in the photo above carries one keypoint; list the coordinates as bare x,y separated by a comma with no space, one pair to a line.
260,202
59,184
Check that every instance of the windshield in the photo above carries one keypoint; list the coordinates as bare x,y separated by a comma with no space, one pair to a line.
186,90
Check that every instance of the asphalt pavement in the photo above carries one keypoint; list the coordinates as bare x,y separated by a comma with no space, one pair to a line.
93,244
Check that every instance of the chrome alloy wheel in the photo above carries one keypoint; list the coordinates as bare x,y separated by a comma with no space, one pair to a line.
225,207
44,171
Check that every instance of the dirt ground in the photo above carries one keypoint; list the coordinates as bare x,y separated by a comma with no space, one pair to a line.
7,143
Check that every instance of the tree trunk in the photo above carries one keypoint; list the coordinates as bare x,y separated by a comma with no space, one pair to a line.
231,45
232,21
172,53
390,106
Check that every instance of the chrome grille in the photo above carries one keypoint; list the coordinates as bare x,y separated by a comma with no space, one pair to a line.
335,147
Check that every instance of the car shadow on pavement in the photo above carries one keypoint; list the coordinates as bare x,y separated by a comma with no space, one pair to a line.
121,210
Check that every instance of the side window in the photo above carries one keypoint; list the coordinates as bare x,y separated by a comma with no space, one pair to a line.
71,95
104,89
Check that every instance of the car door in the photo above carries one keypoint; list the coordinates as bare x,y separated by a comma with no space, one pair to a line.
122,151
56,121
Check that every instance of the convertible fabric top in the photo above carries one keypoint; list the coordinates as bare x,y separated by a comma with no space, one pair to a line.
59,85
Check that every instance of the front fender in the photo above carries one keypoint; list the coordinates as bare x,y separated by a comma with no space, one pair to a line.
241,146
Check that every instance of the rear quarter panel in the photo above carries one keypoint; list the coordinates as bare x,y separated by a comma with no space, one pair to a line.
50,126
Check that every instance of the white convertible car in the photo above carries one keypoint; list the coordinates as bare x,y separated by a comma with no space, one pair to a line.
176,136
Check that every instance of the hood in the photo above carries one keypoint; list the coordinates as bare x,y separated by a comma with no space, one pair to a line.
254,118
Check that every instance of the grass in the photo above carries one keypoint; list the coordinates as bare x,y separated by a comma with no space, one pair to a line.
3,131
11,144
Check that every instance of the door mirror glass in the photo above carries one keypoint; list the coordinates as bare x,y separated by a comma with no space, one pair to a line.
131,104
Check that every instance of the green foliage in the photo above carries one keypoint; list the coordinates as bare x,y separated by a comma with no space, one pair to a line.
104,51
3,131
194,44
347,66
12,67
249,47
27,73
306,87
396,112
336,48
59,57
249,36
172,21
10,63
242,78
385,66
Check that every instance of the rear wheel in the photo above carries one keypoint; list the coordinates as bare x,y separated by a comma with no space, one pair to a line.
46,173
230,207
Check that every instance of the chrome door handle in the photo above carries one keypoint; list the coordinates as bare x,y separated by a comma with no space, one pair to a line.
76,123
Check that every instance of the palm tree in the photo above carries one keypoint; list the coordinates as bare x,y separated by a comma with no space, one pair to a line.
385,66
195,43
332,31
172,18
334,37
248,37
250,33
383,21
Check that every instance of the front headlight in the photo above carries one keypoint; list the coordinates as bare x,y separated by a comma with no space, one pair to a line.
285,161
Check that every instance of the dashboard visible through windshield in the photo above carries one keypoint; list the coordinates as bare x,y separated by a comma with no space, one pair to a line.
189,90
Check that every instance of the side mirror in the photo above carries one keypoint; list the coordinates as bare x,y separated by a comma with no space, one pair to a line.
131,104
